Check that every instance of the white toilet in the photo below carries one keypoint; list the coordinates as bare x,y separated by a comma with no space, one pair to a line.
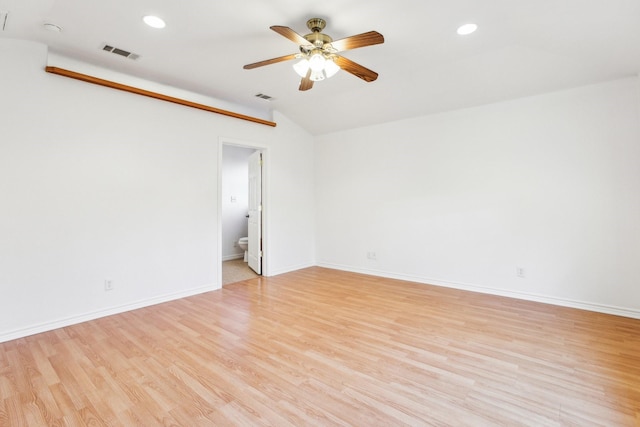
244,245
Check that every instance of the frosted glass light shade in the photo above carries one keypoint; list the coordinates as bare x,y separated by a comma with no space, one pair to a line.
316,62
301,67
317,76
330,68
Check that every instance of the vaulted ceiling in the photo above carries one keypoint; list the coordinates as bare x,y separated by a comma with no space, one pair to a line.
521,48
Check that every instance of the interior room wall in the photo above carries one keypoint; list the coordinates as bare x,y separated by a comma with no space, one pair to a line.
235,199
98,184
290,202
547,186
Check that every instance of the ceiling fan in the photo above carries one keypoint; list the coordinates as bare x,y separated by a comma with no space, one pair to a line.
318,55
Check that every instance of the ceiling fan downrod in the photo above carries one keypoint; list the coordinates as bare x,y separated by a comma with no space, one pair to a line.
316,24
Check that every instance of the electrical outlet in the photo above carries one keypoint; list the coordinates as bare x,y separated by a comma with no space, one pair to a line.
520,272
108,285
371,255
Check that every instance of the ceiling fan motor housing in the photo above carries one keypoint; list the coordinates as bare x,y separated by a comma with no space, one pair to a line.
316,38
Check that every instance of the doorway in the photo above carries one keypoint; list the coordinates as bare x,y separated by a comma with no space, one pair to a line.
241,213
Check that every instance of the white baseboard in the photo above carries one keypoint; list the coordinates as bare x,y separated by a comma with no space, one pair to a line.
596,307
289,269
232,257
61,323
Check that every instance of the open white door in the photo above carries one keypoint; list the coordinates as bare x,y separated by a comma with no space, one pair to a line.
255,212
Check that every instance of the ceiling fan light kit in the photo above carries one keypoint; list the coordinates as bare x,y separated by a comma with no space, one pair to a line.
321,68
318,57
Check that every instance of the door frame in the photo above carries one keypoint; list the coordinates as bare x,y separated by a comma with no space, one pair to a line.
222,141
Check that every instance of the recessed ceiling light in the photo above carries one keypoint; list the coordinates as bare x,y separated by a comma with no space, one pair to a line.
465,29
154,21
52,27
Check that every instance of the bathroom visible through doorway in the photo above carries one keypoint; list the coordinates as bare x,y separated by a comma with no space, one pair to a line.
241,208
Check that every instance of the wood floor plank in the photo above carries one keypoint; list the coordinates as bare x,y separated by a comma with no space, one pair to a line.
321,347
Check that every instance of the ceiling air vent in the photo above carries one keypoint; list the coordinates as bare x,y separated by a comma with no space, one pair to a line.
120,52
263,96
3,20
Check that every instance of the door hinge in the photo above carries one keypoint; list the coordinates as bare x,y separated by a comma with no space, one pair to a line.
259,208
260,254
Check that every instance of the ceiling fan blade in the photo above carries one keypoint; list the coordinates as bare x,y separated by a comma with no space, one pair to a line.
306,83
356,69
269,61
360,40
290,34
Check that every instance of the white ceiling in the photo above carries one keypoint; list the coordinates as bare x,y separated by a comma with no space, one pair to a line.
521,48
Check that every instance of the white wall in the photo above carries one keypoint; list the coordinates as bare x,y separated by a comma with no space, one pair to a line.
548,183
235,198
291,209
101,184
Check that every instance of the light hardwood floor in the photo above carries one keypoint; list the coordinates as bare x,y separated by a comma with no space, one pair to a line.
322,347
